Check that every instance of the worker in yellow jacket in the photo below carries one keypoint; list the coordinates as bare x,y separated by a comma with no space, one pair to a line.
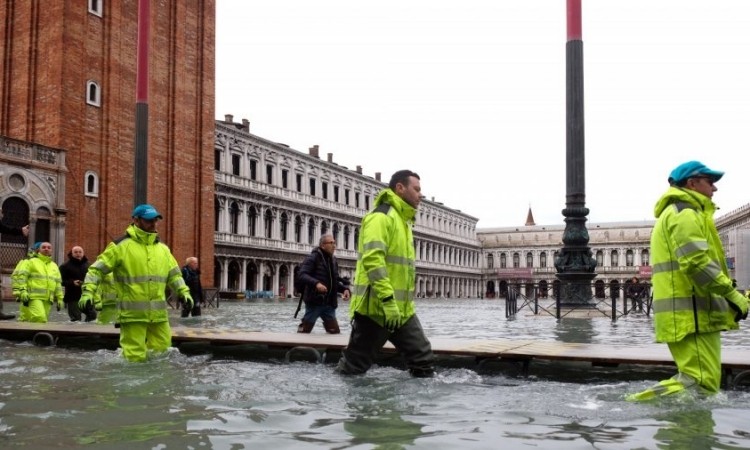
37,284
693,297
142,267
382,304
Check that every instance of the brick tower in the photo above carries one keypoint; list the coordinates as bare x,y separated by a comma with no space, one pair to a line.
68,83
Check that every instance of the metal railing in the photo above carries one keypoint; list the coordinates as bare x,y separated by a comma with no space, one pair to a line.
604,299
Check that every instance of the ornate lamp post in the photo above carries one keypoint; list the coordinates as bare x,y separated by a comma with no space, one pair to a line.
575,265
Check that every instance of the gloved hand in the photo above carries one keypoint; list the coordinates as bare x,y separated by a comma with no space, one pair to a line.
739,305
23,297
97,305
187,302
85,301
60,305
392,314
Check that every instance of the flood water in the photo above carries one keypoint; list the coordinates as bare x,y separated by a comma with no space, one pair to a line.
74,396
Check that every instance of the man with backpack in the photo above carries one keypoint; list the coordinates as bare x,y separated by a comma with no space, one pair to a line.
318,279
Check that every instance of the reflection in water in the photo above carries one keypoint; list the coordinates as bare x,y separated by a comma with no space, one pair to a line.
577,330
241,397
687,430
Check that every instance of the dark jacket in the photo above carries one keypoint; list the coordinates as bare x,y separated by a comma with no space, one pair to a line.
193,281
320,267
70,270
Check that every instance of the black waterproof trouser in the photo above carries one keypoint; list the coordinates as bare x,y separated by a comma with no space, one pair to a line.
367,338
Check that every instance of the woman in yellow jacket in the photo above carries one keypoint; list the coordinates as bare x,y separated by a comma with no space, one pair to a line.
142,268
694,300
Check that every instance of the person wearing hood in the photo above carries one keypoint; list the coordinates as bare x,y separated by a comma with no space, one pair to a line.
382,302
73,272
38,285
143,267
693,297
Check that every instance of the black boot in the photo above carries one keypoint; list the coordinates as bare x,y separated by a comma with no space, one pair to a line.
305,327
4,316
332,326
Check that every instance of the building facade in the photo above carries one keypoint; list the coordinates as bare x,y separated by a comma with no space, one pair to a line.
67,126
525,256
273,203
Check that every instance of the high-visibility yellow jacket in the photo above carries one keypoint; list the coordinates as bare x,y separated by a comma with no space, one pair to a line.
39,277
142,268
106,295
385,267
691,286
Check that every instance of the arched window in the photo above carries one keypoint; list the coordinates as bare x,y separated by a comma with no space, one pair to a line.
529,259
323,228
91,183
543,259
516,260
336,232
503,261
645,258
268,223
234,217
346,237
490,261
93,93
629,258
284,225
615,259
252,221
310,231
298,229
600,258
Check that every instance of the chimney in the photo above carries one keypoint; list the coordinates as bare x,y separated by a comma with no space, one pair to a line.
228,118
246,125
377,176
359,170
330,157
314,151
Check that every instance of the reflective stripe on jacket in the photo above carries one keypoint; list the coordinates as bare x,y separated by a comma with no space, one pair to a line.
690,278
385,266
142,268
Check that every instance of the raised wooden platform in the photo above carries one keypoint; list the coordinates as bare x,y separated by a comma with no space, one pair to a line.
733,360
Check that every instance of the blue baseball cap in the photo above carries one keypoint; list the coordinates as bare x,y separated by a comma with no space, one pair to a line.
36,245
146,211
692,169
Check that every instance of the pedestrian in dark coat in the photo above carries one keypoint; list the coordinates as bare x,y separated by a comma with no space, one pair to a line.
73,272
319,273
192,276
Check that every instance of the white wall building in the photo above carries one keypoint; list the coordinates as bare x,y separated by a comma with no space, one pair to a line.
273,203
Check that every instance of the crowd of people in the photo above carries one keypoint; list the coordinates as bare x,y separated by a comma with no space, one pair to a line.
126,285
693,298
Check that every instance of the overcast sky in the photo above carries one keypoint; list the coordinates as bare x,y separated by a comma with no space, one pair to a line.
471,95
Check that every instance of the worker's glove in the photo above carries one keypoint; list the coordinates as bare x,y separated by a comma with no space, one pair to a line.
97,305
23,297
392,314
85,302
739,305
188,302
60,305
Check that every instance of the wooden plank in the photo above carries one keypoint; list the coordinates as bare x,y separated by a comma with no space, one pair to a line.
650,354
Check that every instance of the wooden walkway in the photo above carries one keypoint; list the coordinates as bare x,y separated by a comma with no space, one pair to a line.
734,361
